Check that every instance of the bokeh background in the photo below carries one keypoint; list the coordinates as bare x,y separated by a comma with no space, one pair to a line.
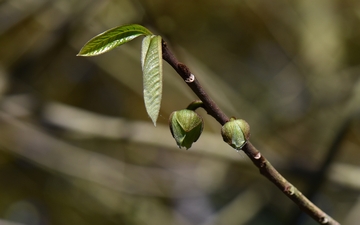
76,145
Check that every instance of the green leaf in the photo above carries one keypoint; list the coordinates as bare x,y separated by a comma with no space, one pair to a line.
151,61
112,38
144,48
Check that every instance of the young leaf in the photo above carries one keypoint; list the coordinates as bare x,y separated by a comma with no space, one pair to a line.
112,38
151,61
144,48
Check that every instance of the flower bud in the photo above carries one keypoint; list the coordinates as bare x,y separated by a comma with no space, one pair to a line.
185,126
236,132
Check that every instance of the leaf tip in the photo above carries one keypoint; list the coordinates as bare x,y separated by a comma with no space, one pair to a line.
154,122
81,53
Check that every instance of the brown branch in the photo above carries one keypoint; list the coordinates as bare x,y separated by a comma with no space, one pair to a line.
209,105
256,157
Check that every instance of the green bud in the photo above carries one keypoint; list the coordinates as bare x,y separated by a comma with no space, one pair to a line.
185,126
236,133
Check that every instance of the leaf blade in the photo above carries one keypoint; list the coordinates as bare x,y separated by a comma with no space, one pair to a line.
152,76
144,49
112,38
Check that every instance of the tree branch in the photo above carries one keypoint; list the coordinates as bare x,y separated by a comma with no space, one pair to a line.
256,157
209,105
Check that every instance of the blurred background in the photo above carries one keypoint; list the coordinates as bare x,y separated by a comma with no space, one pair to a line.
77,147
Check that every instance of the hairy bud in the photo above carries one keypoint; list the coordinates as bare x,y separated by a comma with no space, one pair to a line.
186,127
236,133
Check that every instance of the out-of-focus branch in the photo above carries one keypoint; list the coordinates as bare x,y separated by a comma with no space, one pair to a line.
259,160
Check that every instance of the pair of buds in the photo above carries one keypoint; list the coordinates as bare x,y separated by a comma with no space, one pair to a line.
186,127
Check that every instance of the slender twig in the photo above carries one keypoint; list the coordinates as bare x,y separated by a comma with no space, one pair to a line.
256,157
209,105
317,180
